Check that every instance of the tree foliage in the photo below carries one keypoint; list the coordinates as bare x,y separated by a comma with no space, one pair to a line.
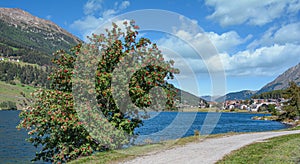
53,120
8,105
291,108
269,95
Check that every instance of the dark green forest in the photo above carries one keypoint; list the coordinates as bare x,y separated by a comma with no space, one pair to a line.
269,95
32,45
27,74
33,39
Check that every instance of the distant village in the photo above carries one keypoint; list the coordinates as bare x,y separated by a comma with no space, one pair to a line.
254,105
11,58
251,105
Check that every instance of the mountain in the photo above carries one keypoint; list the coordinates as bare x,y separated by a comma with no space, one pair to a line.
282,81
30,37
241,95
26,46
206,98
187,98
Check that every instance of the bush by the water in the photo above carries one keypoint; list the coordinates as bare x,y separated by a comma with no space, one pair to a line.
8,105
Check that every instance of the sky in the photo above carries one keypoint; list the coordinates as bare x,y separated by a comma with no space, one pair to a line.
254,41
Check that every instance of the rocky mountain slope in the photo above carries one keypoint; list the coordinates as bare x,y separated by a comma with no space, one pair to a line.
26,42
33,40
189,99
241,95
282,81
24,34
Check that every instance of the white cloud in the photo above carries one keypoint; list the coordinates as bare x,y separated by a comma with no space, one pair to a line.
92,21
185,44
289,33
108,13
228,41
286,34
294,6
223,43
87,25
124,5
265,61
48,17
92,6
254,12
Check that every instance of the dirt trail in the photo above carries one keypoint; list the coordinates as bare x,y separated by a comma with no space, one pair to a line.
208,151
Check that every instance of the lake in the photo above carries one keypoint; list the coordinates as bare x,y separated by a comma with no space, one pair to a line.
161,126
174,125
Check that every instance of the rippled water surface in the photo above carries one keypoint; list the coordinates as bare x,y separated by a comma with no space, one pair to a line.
13,147
173,125
161,126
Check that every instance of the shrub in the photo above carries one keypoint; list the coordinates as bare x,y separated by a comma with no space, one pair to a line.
8,105
196,133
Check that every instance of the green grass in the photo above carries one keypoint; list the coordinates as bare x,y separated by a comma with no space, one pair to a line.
21,63
281,150
10,92
284,149
13,48
117,156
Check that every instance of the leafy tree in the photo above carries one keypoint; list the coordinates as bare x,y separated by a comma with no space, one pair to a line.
291,108
272,109
3,105
53,118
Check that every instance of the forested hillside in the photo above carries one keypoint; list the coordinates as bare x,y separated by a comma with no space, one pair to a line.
33,75
27,44
31,39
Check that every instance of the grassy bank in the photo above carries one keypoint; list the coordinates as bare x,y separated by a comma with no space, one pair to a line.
284,149
117,156
9,92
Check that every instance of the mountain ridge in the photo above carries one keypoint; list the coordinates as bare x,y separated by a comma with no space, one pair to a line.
279,83
30,38
282,81
21,34
18,17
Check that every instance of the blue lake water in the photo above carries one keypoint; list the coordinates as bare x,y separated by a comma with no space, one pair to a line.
174,125
161,126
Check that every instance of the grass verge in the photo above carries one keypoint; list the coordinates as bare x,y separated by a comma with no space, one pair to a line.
117,156
284,149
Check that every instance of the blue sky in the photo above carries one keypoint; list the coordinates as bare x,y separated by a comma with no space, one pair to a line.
256,40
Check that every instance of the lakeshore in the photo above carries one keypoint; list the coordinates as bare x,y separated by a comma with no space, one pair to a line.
14,148
208,150
195,149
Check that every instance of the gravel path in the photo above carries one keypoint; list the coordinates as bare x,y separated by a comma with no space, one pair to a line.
207,151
